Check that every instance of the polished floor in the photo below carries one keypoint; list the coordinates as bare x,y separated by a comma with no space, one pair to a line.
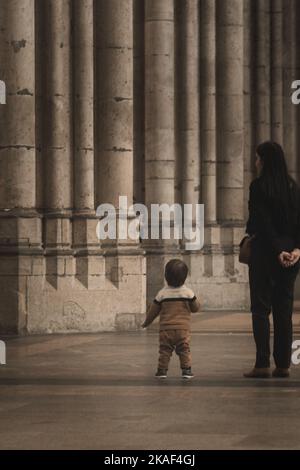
98,392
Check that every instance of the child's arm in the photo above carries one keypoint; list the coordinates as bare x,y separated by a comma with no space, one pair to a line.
194,305
152,313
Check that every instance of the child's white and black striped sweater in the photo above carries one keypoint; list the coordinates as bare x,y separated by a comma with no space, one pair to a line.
174,306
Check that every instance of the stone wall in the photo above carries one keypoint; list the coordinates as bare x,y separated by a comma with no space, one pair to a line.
161,101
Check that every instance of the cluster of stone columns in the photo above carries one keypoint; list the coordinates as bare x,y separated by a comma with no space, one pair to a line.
162,101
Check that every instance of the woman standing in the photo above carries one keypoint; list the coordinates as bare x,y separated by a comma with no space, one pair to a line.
274,219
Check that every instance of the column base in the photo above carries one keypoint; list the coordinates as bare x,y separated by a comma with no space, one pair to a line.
93,289
72,284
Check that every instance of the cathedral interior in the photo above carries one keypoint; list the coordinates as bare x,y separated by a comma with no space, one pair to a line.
159,101
164,102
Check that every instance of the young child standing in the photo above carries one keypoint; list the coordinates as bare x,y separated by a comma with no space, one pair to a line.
174,304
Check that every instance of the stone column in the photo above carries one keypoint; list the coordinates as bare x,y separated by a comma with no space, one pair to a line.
114,130
139,100
276,71
249,57
83,57
187,104
208,108
159,128
291,72
262,103
17,116
58,93
114,89
57,140
159,101
84,226
20,224
230,109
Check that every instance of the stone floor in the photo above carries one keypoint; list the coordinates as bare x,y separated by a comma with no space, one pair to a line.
97,391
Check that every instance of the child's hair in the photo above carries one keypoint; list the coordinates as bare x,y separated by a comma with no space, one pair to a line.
176,272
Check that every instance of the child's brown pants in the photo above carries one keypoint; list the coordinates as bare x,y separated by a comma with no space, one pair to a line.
178,340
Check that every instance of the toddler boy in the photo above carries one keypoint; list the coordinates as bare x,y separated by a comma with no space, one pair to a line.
174,304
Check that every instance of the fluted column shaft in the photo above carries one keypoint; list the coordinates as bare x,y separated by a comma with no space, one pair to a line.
114,89
208,108
84,223
262,71
58,138
230,109
83,54
276,71
139,100
187,72
159,101
290,128
17,116
249,136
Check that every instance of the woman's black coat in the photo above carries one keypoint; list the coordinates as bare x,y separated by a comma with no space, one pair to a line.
265,222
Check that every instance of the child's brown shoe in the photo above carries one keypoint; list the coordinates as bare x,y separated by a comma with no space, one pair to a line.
161,373
187,373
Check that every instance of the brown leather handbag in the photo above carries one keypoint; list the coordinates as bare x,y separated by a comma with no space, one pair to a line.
245,249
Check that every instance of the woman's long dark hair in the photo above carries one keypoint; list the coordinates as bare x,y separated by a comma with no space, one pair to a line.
276,182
